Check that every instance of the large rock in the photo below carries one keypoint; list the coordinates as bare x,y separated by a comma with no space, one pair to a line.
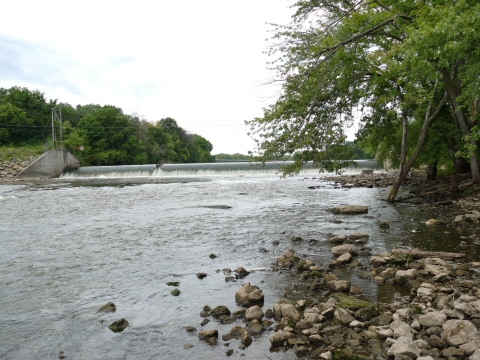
345,248
254,312
286,310
344,259
404,346
403,276
249,293
459,332
401,329
377,260
434,318
340,239
342,316
350,209
280,336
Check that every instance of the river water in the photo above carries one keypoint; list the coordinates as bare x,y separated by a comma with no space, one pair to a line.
70,245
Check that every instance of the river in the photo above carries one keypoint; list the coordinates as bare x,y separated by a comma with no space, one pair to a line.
70,245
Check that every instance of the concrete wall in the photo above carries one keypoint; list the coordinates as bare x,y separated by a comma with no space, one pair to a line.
50,165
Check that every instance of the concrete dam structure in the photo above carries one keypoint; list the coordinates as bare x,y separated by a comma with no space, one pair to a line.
50,165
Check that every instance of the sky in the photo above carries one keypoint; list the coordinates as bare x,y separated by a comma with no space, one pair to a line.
199,62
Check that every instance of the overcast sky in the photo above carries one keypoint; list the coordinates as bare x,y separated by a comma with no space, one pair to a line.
199,62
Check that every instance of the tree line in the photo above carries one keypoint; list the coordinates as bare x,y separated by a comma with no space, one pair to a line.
406,71
97,135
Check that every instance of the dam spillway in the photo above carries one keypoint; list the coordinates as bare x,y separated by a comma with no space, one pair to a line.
200,169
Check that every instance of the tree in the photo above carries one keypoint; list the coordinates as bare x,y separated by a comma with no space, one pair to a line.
392,63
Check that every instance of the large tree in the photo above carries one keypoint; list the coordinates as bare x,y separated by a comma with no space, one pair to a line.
391,63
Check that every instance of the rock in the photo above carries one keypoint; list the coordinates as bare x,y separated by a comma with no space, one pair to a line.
201,275
377,260
205,334
326,356
256,326
287,310
220,311
350,209
249,293
296,239
241,272
342,316
344,259
204,322
61,355
254,312
119,325
434,318
401,329
404,346
342,249
384,224
173,283
475,355
402,276
459,332
340,285
190,328
431,222
453,352
175,292
288,259
107,308
246,339
366,314
340,239
280,336
229,352
188,346
358,236
470,347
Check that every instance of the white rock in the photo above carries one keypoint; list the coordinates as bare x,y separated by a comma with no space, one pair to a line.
402,276
280,336
434,318
344,258
401,329
475,356
458,332
404,346
254,312
326,356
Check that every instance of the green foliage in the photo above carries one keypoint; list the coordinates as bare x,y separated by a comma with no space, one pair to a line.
387,63
106,135
236,156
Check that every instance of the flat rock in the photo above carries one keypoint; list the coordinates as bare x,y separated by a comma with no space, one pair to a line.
345,248
350,209
404,346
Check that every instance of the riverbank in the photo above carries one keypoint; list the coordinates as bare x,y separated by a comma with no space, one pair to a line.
13,166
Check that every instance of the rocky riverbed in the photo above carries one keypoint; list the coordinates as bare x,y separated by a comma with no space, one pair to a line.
436,317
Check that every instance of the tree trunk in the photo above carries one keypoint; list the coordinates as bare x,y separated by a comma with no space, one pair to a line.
462,166
432,171
402,174
462,122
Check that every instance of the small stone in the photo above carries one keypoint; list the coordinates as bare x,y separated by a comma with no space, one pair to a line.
204,322
173,283
188,346
175,292
201,275
229,352
212,256
108,308
190,328
61,355
119,325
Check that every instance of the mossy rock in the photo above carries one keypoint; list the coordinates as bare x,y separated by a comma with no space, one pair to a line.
416,309
400,259
315,274
366,314
349,302
173,283
339,354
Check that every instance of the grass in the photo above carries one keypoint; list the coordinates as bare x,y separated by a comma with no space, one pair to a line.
21,152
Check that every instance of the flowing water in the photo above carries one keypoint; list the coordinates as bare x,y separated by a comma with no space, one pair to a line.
70,245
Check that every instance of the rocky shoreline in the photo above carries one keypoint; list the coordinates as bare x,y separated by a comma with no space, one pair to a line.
10,168
438,317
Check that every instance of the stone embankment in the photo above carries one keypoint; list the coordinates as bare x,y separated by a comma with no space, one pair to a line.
10,168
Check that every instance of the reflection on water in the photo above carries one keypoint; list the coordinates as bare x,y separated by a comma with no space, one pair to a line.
70,246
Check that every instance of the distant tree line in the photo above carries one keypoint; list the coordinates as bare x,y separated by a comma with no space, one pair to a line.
105,135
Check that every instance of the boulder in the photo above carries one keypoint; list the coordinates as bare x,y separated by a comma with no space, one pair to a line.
119,325
434,318
220,311
459,332
404,346
249,293
254,312
342,316
403,276
350,209
344,259
206,334
342,249
280,336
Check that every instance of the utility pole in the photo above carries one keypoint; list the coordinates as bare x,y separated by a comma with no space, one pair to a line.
61,138
53,128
